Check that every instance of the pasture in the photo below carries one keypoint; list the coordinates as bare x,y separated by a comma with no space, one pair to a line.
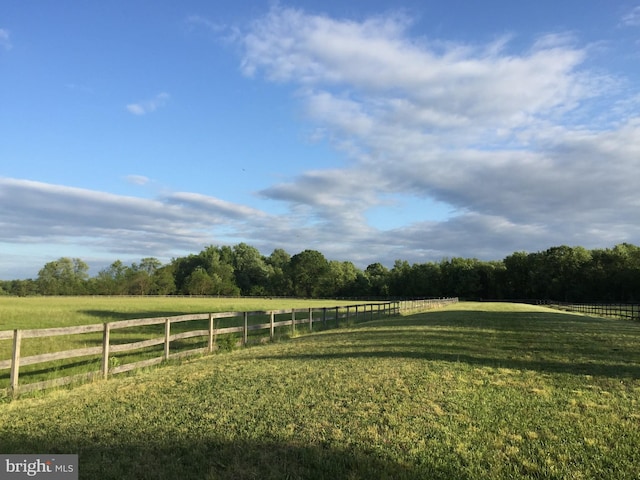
474,390
47,312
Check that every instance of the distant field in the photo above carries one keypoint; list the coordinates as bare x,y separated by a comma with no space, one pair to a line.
46,312
472,391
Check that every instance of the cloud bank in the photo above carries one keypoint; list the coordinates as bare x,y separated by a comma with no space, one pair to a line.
508,139
525,148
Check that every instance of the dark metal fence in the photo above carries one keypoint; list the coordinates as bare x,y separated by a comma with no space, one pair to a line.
628,311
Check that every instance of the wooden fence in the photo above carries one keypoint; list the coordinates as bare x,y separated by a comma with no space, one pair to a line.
629,311
328,318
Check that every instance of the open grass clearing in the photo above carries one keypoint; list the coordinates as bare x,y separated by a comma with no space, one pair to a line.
490,391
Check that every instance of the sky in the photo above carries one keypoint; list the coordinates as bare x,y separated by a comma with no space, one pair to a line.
369,131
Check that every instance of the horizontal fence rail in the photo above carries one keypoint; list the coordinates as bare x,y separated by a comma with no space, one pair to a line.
629,311
328,317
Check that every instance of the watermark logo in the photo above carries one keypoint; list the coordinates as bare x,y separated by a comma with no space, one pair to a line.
46,467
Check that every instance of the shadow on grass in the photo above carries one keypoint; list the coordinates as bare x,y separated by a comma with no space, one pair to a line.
544,342
221,458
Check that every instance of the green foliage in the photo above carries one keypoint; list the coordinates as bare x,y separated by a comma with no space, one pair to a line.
343,279
378,279
227,343
64,276
559,273
199,282
308,270
250,270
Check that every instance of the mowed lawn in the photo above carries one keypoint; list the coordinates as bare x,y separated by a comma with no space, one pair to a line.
475,390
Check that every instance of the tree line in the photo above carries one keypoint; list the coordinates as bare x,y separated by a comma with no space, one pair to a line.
560,273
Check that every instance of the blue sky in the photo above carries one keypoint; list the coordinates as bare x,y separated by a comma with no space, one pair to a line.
370,131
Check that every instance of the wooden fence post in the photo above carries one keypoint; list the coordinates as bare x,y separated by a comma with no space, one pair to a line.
293,322
210,342
167,336
15,361
311,319
245,331
337,317
271,319
105,350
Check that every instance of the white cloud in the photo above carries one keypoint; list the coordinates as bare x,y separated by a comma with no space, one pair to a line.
327,198
137,179
41,213
142,108
632,18
206,203
5,40
376,57
515,143
508,139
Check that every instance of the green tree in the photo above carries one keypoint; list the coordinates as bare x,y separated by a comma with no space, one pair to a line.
399,278
461,277
21,288
111,280
342,279
519,276
250,270
378,276
425,280
182,267
492,279
210,259
139,278
308,271
200,282
625,277
562,272
65,276
218,263
279,280
163,282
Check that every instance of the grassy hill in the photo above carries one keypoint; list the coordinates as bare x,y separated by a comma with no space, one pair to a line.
475,390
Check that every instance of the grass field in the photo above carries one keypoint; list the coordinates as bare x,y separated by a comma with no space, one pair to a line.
472,391
45,312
